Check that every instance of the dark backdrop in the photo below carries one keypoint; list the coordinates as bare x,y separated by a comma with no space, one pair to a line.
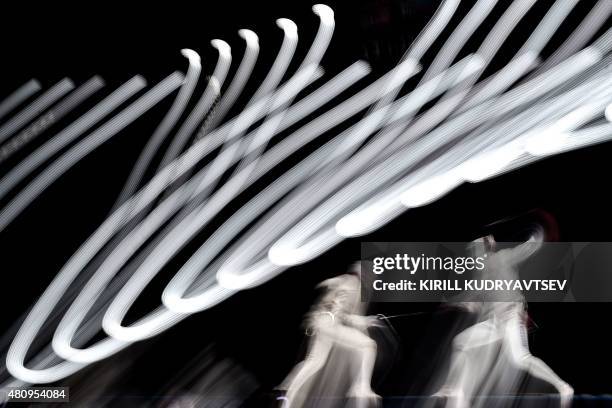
260,328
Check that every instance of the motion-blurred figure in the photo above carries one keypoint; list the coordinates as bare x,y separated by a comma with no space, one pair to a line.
485,354
336,321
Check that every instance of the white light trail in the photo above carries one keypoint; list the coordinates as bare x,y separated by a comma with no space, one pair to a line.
18,96
35,108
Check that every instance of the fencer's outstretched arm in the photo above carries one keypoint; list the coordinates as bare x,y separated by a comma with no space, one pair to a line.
360,322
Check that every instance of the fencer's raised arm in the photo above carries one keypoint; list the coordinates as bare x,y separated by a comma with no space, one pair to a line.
525,250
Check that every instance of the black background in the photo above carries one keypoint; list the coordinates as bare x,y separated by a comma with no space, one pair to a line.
260,328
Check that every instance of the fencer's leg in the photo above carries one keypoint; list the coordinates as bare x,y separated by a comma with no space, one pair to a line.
464,372
516,343
363,383
366,348
540,369
452,391
316,357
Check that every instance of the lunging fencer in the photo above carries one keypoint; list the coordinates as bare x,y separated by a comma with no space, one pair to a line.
336,320
500,336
